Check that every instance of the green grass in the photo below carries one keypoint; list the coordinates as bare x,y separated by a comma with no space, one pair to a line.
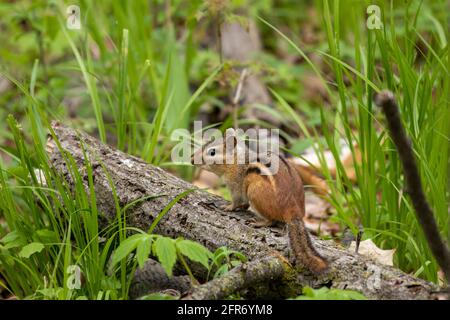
60,218
54,228
379,203
383,208
131,79
41,239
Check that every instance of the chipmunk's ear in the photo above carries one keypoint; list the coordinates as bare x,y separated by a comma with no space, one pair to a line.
231,141
230,138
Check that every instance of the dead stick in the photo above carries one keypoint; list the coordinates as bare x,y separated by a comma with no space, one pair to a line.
424,213
237,97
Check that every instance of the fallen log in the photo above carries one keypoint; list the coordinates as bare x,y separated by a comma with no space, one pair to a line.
197,217
152,278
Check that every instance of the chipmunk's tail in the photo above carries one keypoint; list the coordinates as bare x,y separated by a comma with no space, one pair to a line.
312,178
301,245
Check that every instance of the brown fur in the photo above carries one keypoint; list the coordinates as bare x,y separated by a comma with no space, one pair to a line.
301,245
311,178
281,198
276,197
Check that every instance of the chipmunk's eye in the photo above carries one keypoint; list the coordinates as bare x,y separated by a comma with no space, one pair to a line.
212,152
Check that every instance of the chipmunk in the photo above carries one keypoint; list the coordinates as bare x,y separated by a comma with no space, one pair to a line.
276,197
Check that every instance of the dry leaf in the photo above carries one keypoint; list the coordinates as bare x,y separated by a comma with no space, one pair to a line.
316,207
369,249
317,216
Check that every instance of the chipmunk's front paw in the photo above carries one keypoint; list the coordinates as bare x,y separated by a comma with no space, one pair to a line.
232,207
228,207
260,223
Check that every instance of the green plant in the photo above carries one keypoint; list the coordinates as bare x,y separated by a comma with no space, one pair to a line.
167,251
49,224
225,259
52,227
50,233
385,58
325,293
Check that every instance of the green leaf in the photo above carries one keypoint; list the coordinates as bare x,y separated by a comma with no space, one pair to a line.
126,247
30,249
158,296
13,239
235,263
239,256
143,250
49,293
166,252
52,26
325,293
222,270
194,251
46,236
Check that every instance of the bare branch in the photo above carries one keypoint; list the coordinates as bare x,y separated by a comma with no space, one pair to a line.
243,276
424,213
